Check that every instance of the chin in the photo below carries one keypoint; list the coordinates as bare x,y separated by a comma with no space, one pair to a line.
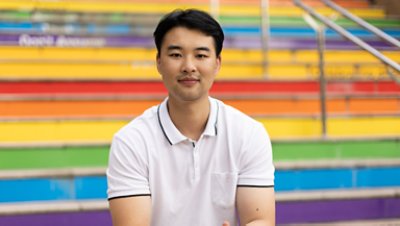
190,98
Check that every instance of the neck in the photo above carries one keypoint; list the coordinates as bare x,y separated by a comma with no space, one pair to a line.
190,118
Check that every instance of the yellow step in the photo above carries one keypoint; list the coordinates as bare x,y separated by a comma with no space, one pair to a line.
336,127
143,54
54,53
127,71
60,71
138,63
103,7
279,128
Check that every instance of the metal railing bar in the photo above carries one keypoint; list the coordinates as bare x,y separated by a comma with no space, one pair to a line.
362,23
352,38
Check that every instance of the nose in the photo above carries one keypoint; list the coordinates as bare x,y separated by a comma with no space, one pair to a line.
188,65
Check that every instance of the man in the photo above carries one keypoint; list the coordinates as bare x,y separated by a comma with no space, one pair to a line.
192,160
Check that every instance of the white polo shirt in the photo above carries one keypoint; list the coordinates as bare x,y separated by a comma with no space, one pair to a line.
190,183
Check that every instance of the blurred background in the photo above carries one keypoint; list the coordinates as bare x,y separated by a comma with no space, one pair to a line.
72,72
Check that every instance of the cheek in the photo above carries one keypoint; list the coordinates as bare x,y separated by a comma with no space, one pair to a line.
166,67
159,67
162,68
167,73
214,69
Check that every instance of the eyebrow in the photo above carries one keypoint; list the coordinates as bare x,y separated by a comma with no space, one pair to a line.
175,47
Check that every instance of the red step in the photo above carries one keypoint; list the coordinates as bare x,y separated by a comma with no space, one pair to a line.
220,87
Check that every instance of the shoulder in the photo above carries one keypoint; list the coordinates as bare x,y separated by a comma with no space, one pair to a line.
240,127
234,117
140,127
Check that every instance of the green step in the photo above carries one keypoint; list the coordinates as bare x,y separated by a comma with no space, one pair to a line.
224,19
96,156
318,150
53,157
17,15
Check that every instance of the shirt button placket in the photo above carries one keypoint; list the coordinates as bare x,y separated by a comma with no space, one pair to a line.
196,162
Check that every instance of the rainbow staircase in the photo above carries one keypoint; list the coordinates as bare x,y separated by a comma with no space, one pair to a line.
73,72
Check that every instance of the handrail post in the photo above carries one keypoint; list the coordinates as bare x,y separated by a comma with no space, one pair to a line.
214,8
322,78
320,31
264,17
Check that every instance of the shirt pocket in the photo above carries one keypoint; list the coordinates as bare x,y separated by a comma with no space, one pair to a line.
223,189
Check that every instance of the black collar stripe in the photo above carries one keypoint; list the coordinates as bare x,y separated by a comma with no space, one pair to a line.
165,134
162,128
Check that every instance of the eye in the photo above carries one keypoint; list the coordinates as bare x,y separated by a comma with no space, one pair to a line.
201,56
175,55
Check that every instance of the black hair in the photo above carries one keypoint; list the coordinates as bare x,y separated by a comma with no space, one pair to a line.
191,19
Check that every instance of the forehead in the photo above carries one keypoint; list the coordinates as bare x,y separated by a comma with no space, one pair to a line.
187,39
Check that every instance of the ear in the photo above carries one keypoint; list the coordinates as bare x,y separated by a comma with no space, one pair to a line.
219,59
158,62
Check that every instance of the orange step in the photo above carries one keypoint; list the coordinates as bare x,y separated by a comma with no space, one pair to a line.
314,3
131,108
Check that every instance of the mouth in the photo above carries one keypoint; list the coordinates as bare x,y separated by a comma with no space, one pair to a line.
188,81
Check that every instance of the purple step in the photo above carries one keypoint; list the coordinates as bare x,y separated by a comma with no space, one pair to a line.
95,218
337,210
147,42
287,212
296,43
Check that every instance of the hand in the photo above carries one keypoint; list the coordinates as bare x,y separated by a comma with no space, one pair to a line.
226,223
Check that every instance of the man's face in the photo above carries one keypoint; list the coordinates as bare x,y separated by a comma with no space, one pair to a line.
188,64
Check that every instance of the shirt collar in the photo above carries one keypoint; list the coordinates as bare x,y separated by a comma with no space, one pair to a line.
173,135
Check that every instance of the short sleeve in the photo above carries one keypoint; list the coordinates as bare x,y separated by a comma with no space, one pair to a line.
256,164
127,172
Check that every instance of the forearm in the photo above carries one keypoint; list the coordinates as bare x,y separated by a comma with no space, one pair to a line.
131,211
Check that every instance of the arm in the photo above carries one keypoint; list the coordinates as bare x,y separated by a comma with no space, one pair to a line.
255,196
128,186
256,206
131,211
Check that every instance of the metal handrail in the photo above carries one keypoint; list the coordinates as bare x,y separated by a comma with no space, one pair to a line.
320,30
387,61
362,23
265,34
